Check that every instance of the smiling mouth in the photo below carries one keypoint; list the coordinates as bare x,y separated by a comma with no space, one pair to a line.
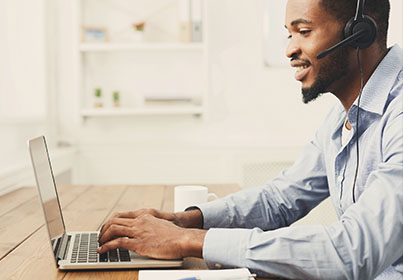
302,72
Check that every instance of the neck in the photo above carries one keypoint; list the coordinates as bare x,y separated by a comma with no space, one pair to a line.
349,87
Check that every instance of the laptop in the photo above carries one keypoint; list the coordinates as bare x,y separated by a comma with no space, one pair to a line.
77,250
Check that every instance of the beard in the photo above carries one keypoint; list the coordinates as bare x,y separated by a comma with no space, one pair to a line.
332,69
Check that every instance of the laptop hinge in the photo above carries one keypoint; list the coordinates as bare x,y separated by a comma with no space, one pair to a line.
61,254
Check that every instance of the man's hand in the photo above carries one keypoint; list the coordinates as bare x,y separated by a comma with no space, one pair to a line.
135,214
189,219
150,236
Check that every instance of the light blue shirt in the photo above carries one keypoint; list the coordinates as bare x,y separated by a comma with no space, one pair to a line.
250,228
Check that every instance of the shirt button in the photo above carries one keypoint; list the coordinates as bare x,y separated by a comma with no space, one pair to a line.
218,266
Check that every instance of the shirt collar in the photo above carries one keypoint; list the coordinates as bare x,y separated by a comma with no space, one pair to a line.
376,91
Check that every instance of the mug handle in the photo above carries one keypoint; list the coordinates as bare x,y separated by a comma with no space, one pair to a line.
213,196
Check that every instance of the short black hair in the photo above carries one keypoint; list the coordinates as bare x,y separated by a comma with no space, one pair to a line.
377,9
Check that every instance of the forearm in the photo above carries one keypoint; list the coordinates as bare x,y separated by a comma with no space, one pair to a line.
285,199
363,244
289,252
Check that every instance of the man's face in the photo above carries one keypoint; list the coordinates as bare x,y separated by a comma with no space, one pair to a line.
311,31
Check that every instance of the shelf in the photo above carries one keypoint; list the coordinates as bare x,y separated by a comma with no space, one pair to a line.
152,110
176,64
113,47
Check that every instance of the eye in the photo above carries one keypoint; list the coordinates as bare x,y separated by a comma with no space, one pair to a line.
305,32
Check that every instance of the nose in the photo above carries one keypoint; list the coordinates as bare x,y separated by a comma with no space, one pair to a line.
292,49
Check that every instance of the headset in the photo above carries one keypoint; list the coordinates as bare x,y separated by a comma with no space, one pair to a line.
359,32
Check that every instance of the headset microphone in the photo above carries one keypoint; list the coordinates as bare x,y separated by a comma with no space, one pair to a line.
352,38
359,32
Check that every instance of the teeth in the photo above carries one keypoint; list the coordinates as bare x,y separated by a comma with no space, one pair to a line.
299,68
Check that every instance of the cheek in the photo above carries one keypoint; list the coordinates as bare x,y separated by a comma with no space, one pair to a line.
315,47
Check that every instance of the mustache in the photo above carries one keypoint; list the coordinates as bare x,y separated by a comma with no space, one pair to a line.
295,58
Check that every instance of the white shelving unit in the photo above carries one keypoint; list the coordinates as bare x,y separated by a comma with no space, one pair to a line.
151,110
116,50
116,47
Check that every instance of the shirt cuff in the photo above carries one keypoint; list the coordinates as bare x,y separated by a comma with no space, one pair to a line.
225,248
215,214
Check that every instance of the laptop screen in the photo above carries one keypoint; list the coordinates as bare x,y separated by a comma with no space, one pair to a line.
47,189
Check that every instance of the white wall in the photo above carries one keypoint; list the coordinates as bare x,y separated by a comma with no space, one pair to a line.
255,114
22,56
23,76
27,87
395,35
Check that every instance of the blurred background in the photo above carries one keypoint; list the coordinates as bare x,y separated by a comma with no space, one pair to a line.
152,92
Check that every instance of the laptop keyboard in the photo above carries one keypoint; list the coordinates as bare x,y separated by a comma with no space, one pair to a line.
85,251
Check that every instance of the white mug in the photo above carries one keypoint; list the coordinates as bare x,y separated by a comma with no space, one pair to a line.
186,196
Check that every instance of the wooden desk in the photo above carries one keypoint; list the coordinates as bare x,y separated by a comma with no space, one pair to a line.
24,246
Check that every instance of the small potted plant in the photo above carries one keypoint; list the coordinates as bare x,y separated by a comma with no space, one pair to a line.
139,26
98,98
138,29
116,98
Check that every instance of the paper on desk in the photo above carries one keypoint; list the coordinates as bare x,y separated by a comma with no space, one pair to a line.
240,273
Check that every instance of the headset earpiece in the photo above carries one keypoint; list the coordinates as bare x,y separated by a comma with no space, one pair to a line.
366,24
359,32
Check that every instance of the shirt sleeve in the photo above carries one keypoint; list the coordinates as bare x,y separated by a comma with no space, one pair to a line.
281,202
363,243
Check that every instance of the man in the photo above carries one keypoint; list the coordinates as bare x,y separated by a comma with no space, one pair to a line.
251,228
